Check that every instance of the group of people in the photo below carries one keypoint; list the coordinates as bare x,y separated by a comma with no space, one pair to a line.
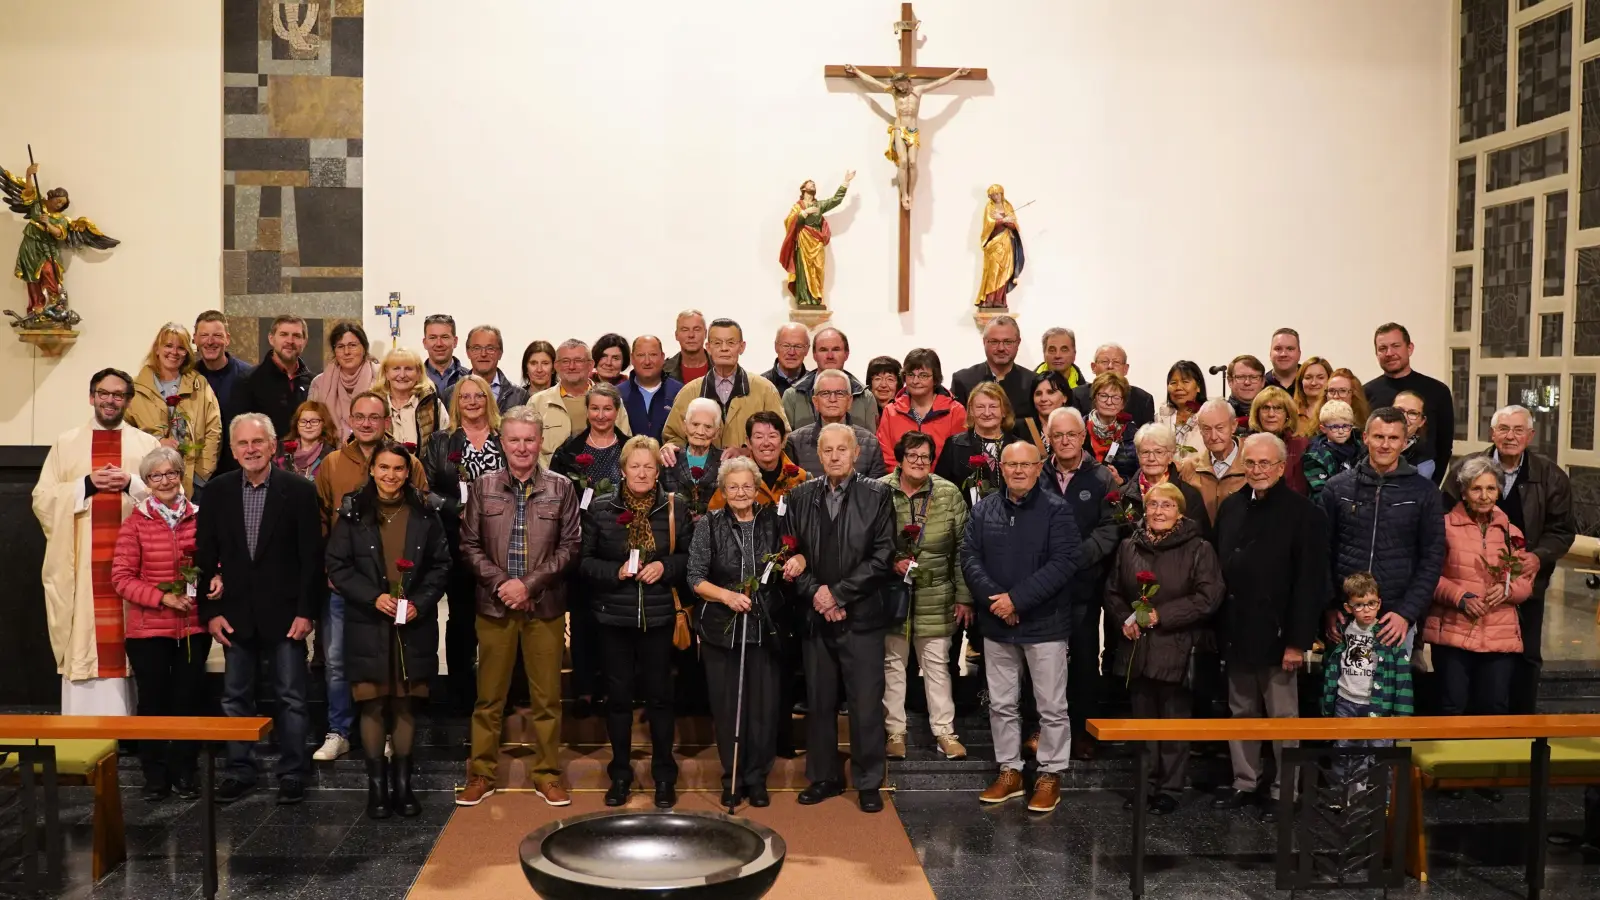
797,539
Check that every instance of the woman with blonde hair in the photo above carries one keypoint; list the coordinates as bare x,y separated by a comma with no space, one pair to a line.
1310,392
350,372
174,403
975,453
1274,412
416,411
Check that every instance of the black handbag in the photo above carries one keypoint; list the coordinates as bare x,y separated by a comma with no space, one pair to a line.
897,593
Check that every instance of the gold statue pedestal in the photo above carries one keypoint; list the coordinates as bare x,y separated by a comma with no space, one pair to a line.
810,316
52,342
986,314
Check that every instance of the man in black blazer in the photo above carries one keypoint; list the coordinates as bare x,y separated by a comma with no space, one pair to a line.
1112,358
258,546
1001,337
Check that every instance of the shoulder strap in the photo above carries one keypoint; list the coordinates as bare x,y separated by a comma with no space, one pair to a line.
672,524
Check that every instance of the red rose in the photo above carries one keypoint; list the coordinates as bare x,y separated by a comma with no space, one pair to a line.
791,470
1146,577
791,543
912,531
1517,543
174,400
1124,417
1113,496
696,473
456,457
404,565
625,518
185,561
977,460
584,460
291,446
410,447
1192,406
1242,422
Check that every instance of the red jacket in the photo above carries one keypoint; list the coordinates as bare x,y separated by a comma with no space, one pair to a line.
947,417
147,554
1468,552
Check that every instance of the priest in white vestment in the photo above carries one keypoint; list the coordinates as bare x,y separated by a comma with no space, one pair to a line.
89,484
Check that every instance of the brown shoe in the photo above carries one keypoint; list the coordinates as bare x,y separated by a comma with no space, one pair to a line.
1030,747
1083,747
1046,793
1006,786
553,793
477,790
895,748
950,747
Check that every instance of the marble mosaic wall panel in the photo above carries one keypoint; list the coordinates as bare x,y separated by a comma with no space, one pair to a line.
292,166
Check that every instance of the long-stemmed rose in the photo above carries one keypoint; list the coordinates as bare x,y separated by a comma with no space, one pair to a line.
981,476
178,427
1141,613
1122,513
581,477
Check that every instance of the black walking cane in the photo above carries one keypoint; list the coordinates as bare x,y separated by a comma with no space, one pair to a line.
738,714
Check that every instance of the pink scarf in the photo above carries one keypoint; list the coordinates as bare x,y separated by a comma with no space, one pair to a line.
334,389
306,454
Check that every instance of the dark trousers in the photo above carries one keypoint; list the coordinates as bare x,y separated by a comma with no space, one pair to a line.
170,675
1525,671
758,723
642,657
288,662
1164,700
791,675
588,674
461,637
1470,683
1083,664
860,655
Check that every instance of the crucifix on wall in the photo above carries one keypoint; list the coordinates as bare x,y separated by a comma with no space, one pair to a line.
904,136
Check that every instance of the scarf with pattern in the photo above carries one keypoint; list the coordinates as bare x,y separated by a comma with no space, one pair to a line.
641,536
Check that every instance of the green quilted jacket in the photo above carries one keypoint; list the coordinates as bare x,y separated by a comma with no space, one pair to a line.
936,581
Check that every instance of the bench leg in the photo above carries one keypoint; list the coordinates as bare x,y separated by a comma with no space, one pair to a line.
1416,835
1538,803
208,816
110,840
1141,815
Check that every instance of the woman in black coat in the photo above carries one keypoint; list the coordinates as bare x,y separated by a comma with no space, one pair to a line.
635,552
388,548
729,546
990,428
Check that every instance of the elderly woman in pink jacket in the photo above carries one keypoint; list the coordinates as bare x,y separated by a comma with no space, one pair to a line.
1487,573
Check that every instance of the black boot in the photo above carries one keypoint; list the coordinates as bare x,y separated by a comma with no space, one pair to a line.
402,799
378,788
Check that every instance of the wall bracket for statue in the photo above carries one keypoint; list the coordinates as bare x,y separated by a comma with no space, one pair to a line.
50,322
804,251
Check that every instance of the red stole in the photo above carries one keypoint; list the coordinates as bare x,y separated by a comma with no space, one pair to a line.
105,521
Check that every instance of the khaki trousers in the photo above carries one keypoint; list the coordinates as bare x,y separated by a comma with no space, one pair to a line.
933,653
540,641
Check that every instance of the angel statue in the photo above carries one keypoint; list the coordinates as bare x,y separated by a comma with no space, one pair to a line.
805,239
39,258
1002,250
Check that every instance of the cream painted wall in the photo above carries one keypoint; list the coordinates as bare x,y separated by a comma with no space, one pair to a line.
1204,172
123,106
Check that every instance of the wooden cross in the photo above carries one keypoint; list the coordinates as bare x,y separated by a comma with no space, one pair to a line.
906,28
394,310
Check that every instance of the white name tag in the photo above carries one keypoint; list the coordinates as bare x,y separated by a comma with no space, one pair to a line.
974,495
191,591
1132,617
1112,450
465,490
633,561
766,572
401,606
911,570
783,505
588,494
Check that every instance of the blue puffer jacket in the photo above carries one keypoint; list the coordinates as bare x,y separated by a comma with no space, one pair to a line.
1392,526
1029,550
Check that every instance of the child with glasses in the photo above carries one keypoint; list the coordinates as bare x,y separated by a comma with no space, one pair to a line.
1363,676
1336,447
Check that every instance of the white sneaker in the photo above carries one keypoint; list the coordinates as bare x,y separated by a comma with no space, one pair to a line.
333,747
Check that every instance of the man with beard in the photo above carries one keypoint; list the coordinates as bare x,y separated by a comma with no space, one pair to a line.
88,485
1001,338
281,382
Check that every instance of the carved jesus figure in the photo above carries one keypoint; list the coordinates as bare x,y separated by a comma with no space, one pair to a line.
904,138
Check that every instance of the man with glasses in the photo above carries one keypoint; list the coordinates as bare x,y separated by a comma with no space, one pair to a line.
88,485
342,473
1139,404
564,406
830,349
1393,347
1021,552
830,396
1417,450
1273,546
791,345
1219,471
439,340
739,393
1246,377
1073,475
1538,500
484,349
1001,338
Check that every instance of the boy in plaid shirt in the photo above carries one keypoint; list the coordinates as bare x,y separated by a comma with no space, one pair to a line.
1362,676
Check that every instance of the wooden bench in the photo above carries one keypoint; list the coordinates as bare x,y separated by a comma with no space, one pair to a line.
1522,730
83,742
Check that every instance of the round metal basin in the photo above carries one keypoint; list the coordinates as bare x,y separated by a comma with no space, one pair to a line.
660,855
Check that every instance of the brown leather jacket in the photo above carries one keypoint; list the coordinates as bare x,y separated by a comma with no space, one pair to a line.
554,540
1195,469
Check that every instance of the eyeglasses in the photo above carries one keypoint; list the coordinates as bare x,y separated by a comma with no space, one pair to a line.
831,395
573,363
917,459
1413,415
1338,427
310,421
1249,378
1018,466
111,395
921,375
348,345
1000,342
1366,604
1108,397
1272,407
1066,435
1517,430
1260,465
738,489
793,348
1156,453
1154,505
154,477
363,417
1339,393
477,349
